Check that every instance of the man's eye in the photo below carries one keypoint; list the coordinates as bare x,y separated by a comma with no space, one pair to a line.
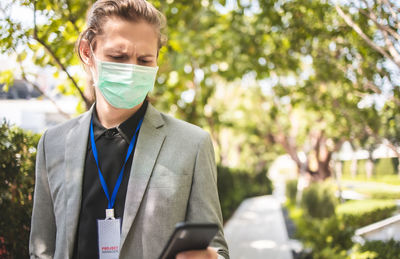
118,57
143,61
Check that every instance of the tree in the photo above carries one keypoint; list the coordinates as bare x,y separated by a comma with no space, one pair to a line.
383,16
301,75
47,41
316,90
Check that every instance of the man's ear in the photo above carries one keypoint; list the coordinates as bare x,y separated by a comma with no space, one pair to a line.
85,52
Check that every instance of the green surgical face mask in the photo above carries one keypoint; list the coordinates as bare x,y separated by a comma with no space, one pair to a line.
124,85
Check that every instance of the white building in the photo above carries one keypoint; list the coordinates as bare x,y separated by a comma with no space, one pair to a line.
383,230
35,115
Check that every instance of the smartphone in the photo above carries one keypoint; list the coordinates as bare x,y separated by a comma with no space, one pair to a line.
189,236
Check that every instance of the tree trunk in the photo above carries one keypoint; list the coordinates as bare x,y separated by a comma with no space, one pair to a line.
396,151
369,167
324,169
398,166
353,167
302,183
339,169
324,156
338,177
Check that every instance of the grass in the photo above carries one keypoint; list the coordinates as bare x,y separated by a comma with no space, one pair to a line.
373,189
388,179
364,206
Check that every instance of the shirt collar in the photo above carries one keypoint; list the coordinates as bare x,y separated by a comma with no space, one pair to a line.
126,128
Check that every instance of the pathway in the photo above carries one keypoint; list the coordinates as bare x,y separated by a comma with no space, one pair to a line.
257,230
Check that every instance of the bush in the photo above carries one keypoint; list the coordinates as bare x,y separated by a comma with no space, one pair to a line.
387,194
234,186
331,237
346,168
328,234
385,166
291,190
346,171
317,225
361,167
327,238
382,167
17,163
356,214
318,200
378,249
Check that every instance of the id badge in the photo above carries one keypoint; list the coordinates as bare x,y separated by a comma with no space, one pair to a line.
109,233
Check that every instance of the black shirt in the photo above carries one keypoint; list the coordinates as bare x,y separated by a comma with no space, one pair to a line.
112,145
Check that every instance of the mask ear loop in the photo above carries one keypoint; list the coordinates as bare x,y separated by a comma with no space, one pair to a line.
95,63
92,52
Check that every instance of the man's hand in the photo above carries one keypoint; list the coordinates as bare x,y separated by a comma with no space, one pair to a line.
209,253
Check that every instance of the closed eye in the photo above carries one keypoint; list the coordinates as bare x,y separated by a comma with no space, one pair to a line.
144,61
118,57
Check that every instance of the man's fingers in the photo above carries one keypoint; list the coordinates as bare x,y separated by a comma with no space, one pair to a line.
200,254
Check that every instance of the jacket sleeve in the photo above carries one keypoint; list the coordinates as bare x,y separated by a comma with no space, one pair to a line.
43,228
204,203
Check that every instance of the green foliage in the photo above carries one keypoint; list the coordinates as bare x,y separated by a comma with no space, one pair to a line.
234,186
331,237
386,188
361,166
382,179
291,190
7,78
379,249
385,194
356,214
391,116
318,200
47,41
346,168
298,58
382,167
363,255
17,162
386,166
328,235
327,238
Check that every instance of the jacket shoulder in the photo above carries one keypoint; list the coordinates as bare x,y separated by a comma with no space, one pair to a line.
60,130
183,130
182,126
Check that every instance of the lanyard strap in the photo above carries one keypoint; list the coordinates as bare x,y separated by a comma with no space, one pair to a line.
119,180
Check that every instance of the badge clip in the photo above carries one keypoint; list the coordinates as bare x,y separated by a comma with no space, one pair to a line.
110,214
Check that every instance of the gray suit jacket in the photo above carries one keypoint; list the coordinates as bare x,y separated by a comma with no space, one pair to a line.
173,179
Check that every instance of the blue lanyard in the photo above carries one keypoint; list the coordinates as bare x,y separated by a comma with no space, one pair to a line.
119,180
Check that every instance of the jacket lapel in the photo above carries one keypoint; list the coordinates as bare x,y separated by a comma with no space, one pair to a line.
75,153
151,138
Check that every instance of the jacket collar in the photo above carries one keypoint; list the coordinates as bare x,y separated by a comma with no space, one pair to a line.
151,138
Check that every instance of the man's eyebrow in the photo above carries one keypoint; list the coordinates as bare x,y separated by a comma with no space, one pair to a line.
146,55
113,50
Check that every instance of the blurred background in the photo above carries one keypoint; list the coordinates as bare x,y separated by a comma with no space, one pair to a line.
301,98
